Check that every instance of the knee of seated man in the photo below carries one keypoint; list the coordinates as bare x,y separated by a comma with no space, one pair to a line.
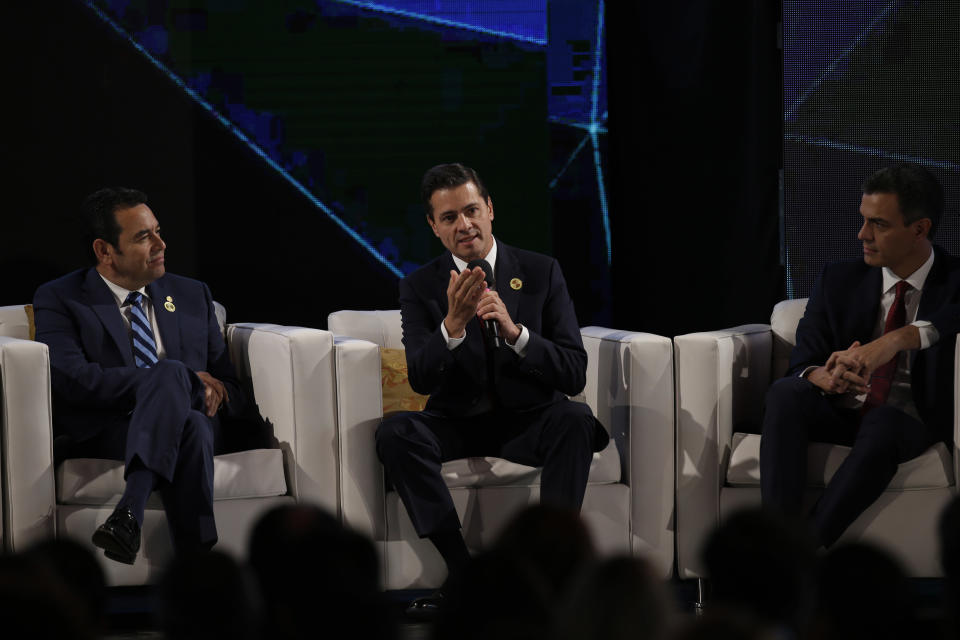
788,389
171,370
880,426
395,433
576,417
198,429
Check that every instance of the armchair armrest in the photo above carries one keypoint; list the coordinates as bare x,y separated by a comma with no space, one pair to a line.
722,377
359,411
956,418
630,385
27,443
290,370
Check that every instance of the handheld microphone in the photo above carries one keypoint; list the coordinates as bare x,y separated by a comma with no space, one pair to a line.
492,326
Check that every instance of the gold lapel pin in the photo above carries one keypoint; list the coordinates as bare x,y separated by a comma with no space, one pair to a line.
168,305
516,283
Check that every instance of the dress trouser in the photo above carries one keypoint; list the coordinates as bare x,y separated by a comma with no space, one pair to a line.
412,446
171,435
796,413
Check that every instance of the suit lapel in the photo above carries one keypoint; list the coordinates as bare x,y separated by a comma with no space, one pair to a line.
867,306
103,303
507,272
934,288
167,321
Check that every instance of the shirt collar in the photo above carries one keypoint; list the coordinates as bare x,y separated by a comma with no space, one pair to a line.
491,258
119,293
916,279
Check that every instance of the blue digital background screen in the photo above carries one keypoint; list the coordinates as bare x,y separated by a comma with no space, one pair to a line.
351,101
866,83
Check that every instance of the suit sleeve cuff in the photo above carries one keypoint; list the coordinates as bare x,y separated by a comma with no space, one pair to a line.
520,346
452,343
929,335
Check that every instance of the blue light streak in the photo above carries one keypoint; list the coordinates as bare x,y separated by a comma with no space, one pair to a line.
836,61
240,135
576,124
576,152
594,128
374,6
871,151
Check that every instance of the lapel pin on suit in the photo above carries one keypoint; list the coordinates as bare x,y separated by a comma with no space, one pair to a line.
168,305
516,283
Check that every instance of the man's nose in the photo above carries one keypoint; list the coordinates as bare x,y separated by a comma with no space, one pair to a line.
864,232
463,221
159,244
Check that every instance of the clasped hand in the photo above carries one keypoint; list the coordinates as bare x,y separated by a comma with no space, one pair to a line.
850,370
215,393
467,296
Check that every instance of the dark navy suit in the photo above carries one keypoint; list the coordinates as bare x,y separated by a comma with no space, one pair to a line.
491,403
104,406
844,308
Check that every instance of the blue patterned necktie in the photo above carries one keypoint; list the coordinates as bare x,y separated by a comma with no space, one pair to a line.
144,345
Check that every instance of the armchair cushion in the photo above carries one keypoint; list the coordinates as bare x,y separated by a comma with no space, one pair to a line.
257,473
932,470
397,393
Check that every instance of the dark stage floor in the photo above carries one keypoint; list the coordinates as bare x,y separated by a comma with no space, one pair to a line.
132,610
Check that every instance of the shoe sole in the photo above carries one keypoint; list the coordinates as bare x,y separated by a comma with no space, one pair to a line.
112,547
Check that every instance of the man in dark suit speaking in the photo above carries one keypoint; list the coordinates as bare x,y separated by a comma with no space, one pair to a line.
873,363
509,400
139,371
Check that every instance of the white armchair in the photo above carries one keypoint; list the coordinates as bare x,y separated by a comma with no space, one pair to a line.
628,505
722,378
290,371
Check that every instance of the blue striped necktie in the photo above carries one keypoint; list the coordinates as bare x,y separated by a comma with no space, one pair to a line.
144,345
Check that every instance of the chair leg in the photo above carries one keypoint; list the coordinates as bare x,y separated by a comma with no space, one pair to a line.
703,589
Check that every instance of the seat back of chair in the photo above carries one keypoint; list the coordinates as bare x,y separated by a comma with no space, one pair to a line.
379,327
15,321
783,323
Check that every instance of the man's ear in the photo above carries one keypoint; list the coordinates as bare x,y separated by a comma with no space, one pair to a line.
101,249
490,206
921,228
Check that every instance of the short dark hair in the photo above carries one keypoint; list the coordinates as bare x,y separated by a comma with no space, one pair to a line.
447,176
99,214
918,192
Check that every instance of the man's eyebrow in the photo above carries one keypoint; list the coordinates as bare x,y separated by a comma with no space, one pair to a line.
143,232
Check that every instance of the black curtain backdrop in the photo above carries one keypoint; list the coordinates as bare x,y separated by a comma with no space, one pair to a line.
89,112
695,153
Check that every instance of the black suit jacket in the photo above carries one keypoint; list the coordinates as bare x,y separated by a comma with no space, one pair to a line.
844,307
555,362
93,375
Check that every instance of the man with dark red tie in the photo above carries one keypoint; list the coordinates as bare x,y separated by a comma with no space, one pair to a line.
140,372
873,363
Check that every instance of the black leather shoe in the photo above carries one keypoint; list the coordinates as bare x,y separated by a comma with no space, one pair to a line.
427,607
119,536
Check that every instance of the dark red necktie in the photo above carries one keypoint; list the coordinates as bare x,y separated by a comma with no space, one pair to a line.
882,378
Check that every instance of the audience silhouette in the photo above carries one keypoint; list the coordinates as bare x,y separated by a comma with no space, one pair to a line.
542,578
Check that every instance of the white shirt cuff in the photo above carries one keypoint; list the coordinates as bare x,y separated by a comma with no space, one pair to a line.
929,335
806,372
452,343
520,346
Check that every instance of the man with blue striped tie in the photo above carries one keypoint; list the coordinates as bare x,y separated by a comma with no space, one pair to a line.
140,373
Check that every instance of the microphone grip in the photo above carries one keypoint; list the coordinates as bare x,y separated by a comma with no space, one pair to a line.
493,333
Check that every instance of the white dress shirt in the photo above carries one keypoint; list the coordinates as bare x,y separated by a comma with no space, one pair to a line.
901,395
520,347
120,295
